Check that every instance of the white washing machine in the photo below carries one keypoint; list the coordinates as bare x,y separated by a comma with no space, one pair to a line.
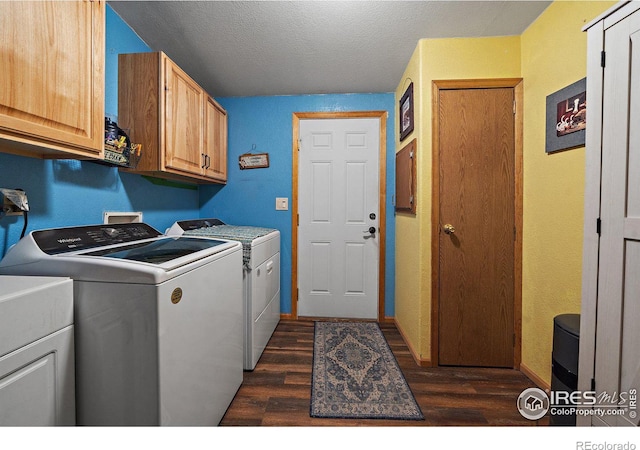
158,320
261,277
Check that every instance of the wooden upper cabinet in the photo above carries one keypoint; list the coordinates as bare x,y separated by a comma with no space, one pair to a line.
183,124
181,128
52,78
215,140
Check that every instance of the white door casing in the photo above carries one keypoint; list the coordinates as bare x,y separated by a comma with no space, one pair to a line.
338,203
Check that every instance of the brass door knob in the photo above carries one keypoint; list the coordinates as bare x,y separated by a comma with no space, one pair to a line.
449,229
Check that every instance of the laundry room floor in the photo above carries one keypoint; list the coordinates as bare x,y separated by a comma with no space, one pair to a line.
278,391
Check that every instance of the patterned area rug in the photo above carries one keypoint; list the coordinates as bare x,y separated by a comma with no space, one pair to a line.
356,376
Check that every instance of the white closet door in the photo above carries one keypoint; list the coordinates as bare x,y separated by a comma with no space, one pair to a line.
617,366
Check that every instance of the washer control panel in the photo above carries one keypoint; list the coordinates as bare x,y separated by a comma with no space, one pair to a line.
62,240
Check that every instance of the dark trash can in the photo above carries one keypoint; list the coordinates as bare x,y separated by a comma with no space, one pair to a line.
564,363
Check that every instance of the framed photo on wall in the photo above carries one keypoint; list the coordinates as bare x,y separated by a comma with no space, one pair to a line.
406,113
566,117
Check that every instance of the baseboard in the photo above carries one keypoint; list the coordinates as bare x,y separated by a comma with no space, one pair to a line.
535,378
416,356
387,320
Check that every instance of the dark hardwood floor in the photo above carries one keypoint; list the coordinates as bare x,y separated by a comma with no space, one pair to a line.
278,391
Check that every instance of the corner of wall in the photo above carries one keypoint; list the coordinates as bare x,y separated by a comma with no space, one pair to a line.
408,290
553,183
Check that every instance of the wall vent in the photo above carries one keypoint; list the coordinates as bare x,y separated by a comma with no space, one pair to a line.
122,217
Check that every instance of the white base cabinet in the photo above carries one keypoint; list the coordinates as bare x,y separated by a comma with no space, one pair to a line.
37,380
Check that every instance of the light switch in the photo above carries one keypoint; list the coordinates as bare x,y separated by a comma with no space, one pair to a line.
282,204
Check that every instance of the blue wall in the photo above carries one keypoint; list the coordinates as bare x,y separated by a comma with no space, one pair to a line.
249,196
119,39
67,193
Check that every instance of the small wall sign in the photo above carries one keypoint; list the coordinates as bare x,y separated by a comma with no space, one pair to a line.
253,161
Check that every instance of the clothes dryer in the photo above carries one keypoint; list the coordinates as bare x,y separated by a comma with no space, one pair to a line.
261,277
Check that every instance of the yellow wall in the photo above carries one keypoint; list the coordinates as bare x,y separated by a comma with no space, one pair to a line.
409,261
549,55
554,54
435,59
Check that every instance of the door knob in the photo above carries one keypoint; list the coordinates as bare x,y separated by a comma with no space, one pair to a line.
371,230
449,229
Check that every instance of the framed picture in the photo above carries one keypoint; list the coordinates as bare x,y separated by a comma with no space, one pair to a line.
406,113
406,179
566,117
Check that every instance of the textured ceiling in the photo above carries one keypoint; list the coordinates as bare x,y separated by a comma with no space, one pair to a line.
249,48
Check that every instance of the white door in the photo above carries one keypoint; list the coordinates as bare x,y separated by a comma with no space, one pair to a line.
617,366
338,196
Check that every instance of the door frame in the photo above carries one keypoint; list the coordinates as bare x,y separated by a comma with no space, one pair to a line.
382,213
440,85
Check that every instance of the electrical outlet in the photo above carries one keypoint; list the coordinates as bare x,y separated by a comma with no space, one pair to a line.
282,204
11,209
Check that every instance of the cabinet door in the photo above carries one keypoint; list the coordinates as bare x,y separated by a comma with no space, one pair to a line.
37,382
52,77
183,121
215,142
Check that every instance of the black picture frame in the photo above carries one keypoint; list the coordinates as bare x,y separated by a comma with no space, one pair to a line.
563,130
406,113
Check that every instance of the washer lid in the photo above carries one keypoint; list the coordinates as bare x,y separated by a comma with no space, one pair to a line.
157,251
119,253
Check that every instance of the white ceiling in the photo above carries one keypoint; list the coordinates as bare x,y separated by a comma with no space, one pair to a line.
250,48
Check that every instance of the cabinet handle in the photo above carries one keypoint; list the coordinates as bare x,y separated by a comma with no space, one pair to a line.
207,158
204,160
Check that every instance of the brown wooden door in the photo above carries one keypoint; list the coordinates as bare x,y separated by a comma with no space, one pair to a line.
476,260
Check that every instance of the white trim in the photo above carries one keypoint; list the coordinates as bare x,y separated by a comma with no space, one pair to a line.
609,12
595,78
